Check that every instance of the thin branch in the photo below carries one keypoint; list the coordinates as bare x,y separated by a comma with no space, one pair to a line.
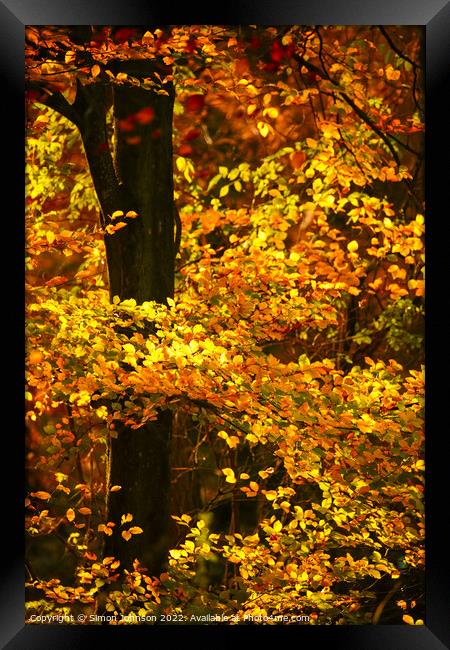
362,114
403,56
396,49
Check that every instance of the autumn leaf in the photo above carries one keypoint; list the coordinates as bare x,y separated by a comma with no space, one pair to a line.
229,475
126,518
263,128
40,495
136,530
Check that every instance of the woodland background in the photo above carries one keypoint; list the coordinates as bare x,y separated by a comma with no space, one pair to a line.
225,280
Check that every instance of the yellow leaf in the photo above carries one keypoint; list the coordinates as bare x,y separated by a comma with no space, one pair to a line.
85,511
352,246
95,70
263,128
148,38
272,112
408,619
243,572
70,56
117,214
180,163
278,526
115,488
70,514
224,190
136,530
193,345
230,477
126,518
126,535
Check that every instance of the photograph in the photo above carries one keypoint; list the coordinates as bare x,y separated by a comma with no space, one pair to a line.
224,329
225,281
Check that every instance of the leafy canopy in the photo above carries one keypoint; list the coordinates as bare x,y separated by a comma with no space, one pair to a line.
291,353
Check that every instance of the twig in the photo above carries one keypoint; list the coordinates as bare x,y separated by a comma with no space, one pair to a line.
396,49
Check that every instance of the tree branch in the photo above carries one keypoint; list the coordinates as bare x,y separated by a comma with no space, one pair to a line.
323,74
57,102
396,49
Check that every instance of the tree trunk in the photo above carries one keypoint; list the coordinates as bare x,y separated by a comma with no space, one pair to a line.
140,261
141,266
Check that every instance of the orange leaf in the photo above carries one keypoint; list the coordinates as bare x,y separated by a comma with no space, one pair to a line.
40,495
135,530
297,159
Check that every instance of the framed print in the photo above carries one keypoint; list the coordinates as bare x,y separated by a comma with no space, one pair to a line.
226,219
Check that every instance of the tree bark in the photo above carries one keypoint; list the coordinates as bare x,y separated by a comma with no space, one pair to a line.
140,259
141,266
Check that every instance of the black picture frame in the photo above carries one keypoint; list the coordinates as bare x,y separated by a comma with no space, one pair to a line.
434,15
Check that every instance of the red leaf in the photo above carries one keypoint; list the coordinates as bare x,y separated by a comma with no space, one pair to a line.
185,150
194,103
145,115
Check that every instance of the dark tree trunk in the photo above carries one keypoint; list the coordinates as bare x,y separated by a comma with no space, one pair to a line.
140,261
141,256
141,266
